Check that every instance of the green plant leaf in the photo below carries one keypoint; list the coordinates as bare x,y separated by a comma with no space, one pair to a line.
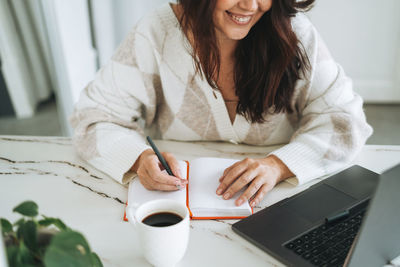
19,257
13,256
53,221
96,260
68,248
28,233
25,255
27,208
6,226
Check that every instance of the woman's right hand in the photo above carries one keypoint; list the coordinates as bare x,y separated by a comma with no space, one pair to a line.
151,174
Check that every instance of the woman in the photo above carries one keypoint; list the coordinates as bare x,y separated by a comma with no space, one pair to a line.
245,71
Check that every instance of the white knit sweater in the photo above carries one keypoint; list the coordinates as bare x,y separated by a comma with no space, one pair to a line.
151,78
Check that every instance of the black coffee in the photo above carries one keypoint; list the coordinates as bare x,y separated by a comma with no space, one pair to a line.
162,219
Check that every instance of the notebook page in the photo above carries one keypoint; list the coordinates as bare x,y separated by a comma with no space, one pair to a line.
138,194
204,177
239,212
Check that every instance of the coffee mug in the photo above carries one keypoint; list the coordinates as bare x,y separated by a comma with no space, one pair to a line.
163,229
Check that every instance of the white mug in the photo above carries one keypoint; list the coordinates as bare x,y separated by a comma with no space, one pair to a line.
166,245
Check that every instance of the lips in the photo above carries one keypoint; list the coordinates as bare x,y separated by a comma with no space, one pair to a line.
239,19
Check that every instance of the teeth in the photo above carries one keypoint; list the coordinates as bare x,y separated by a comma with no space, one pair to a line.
240,19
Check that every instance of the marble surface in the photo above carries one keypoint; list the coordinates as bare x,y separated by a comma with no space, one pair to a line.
48,171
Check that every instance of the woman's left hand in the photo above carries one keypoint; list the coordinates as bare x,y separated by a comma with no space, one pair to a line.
260,174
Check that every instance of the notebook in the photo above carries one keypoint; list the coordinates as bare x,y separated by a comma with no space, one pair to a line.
199,195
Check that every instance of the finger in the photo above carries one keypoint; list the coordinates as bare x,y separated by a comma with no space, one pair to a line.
145,179
146,182
261,193
251,191
155,174
227,170
155,185
231,176
173,164
240,182
166,187
151,185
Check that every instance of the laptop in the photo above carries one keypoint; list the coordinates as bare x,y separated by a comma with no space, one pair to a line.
349,219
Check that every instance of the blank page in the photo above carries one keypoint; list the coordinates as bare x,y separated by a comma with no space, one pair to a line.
204,177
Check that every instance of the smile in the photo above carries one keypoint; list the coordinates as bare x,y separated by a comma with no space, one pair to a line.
239,19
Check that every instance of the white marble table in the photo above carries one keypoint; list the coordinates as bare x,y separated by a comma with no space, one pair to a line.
48,171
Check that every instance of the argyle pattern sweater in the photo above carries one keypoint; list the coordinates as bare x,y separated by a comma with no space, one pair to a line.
151,84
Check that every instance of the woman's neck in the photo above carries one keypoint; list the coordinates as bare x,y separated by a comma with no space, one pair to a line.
226,46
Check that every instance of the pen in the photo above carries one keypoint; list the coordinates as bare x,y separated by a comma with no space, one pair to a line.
159,156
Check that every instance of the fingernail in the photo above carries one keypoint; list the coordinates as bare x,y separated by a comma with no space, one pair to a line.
240,201
180,186
253,203
219,191
227,195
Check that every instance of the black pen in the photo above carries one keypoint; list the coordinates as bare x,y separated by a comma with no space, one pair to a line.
159,156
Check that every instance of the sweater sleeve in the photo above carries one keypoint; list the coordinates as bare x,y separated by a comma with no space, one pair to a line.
109,117
332,128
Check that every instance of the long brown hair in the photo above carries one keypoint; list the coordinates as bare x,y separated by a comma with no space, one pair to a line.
268,61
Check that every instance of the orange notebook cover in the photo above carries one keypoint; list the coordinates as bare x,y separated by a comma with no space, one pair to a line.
199,195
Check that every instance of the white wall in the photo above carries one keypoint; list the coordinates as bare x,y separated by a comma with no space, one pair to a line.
128,12
114,19
104,28
364,37
68,28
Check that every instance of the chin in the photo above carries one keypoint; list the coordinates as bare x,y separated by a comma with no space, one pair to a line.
237,35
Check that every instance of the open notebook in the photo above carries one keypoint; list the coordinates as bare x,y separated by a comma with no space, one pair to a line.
199,195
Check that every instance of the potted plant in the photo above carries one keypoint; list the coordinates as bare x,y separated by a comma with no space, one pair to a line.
44,241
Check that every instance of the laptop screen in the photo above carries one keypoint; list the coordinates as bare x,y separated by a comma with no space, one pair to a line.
378,241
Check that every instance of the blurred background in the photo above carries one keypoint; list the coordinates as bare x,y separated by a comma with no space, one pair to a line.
51,49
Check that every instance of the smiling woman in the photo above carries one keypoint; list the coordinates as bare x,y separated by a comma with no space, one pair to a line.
243,71
233,19
215,29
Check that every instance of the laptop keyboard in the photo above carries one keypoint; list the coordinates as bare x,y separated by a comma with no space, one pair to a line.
328,244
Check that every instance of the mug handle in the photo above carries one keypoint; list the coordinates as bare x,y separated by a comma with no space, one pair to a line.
130,213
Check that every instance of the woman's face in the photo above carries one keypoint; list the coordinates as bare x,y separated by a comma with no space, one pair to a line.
233,19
